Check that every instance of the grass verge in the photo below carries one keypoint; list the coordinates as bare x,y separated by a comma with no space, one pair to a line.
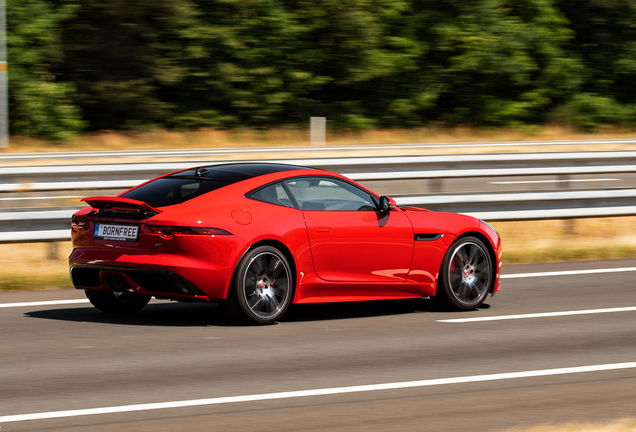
567,240
210,138
36,266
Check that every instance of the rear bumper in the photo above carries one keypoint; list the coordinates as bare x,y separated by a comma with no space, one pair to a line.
154,282
166,275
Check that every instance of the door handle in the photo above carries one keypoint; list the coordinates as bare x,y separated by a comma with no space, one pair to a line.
323,229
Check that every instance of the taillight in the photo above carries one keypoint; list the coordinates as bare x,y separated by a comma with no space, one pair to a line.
209,231
170,231
163,231
77,224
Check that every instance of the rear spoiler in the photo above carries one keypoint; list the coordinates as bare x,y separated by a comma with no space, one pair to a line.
112,203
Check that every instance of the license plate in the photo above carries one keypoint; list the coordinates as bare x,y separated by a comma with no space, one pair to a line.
116,232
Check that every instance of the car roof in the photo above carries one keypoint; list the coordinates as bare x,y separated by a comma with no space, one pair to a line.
235,172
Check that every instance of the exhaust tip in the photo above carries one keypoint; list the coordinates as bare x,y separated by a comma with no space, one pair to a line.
106,281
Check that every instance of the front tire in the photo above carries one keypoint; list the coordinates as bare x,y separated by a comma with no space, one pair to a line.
124,302
466,276
262,288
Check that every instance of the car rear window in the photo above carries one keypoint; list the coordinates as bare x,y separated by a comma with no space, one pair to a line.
168,191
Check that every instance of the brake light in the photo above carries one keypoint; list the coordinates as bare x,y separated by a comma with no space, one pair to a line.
170,231
163,231
77,224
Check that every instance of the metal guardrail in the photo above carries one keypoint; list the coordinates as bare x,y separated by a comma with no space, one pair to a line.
53,225
35,236
57,222
577,213
528,197
497,172
69,185
393,175
512,215
146,168
171,153
451,160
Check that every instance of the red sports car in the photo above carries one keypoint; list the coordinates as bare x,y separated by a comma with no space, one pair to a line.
257,237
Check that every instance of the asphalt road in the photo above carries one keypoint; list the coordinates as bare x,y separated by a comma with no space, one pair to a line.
71,357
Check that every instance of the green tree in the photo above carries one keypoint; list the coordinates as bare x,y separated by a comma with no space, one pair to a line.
362,63
264,62
126,58
39,105
489,62
605,41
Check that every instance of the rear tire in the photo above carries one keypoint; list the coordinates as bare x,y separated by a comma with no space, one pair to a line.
466,276
262,288
124,302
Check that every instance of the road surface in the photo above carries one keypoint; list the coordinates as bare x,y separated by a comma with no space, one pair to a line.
382,366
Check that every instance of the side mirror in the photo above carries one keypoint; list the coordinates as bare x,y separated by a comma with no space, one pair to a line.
386,204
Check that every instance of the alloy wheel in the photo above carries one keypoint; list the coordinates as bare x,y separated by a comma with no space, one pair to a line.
469,274
266,285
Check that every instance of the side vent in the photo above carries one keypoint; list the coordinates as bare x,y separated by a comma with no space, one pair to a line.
428,237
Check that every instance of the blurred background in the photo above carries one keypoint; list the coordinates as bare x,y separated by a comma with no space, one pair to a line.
77,66
126,75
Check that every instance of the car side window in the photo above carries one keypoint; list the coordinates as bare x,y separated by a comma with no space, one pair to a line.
274,194
329,194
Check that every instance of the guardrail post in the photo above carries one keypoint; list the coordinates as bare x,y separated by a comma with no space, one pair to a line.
53,251
435,185
318,131
569,225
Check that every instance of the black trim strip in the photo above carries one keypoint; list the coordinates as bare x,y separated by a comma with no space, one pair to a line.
85,276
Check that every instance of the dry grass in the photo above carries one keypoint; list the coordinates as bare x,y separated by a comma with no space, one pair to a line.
30,266
561,240
209,138
624,425
34,266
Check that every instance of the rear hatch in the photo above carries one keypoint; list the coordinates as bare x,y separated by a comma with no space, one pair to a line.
116,218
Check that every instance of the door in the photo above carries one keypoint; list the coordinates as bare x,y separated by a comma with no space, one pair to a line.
350,240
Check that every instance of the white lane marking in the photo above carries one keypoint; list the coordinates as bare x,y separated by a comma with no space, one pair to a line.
539,315
42,303
553,181
568,272
316,392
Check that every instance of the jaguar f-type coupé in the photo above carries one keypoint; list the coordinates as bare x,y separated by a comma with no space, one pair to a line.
257,237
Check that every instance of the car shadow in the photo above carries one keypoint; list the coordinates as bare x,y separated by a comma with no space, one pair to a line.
168,315
209,314
330,311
